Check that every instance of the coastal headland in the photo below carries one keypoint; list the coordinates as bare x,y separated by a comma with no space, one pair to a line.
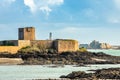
28,51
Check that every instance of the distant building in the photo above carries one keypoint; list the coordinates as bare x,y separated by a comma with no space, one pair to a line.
26,37
96,45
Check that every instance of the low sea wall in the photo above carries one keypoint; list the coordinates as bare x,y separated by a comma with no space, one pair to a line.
14,49
10,49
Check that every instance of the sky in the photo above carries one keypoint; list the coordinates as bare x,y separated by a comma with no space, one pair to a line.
82,20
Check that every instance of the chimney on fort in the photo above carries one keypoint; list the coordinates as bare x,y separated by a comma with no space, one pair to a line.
27,33
50,36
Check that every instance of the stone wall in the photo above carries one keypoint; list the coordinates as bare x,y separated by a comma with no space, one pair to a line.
10,49
27,38
66,45
18,45
42,43
59,45
24,43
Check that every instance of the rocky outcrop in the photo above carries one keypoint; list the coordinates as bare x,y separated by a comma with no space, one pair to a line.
111,73
69,58
77,75
64,58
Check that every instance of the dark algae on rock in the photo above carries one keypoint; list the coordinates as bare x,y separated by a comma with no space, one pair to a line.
64,58
69,58
111,73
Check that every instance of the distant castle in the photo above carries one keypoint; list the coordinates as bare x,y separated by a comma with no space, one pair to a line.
96,45
26,37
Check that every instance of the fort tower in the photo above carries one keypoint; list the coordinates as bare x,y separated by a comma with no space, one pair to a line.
27,33
50,36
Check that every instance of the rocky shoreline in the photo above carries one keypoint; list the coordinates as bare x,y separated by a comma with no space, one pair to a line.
70,58
64,58
101,74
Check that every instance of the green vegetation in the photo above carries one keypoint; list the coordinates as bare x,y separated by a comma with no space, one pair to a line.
28,49
82,49
44,49
39,48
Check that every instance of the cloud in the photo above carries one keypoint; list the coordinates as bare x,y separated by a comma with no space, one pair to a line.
31,5
113,20
46,9
44,6
69,30
117,3
4,3
90,13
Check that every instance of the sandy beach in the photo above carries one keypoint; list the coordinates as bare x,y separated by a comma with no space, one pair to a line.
11,61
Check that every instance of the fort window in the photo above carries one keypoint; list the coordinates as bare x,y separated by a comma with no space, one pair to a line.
28,29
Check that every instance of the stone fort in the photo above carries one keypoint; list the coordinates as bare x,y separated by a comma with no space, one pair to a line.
26,37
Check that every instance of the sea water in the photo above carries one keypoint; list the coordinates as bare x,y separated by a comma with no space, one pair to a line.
112,52
30,72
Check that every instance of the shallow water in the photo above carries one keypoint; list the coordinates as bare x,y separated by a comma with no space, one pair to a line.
29,72
107,51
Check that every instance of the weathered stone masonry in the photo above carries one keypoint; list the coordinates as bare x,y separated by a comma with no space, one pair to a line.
66,45
27,38
27,33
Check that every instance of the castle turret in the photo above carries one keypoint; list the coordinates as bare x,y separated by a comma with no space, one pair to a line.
50,36
27,33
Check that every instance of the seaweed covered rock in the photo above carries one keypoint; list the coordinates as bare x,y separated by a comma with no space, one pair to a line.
66,58
77,75
111,73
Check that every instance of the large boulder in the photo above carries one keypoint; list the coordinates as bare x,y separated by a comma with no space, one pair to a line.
111,73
